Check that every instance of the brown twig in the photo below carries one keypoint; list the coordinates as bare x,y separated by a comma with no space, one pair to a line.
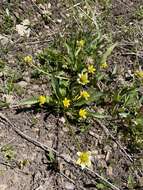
65,176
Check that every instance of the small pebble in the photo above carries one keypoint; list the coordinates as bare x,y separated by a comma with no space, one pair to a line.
69,186
22,84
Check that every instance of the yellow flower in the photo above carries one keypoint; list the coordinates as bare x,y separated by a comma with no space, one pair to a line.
28,59
139,74
81,43
83,78
84,94
104,66
66,103
91,69
83,113
42,100
84,159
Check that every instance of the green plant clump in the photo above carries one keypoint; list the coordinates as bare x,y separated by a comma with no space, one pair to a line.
83,86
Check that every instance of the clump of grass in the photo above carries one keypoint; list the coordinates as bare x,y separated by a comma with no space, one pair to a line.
9,152
139,13
83,84
74,73
7,22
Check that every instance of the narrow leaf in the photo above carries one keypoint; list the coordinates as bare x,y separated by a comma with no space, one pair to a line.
98,115
107,53
55,86
94,97
29,101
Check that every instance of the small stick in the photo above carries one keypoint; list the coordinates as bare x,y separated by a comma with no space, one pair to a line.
62,174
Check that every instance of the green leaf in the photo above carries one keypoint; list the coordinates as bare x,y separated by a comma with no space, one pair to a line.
29,101
94,97
62,91
139,121
107,53
98,115
33,100
64,83
114,72
8,151
84,128
68,49
124,115
61,75
2,65
4,104
50,156
100,186
70,52
99,76
94,43
55,86
77,52
130,181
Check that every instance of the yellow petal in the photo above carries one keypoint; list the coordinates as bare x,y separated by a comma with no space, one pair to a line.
88,163
78,153
78,161
83,166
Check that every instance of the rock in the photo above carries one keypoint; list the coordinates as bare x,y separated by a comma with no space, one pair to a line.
108,156
35,87
141,181
100,156
8,98
22,84
62,119
3,187
69,186
102,164
110,171
27,79
4,40
59,20
67,172
23,28
45,185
